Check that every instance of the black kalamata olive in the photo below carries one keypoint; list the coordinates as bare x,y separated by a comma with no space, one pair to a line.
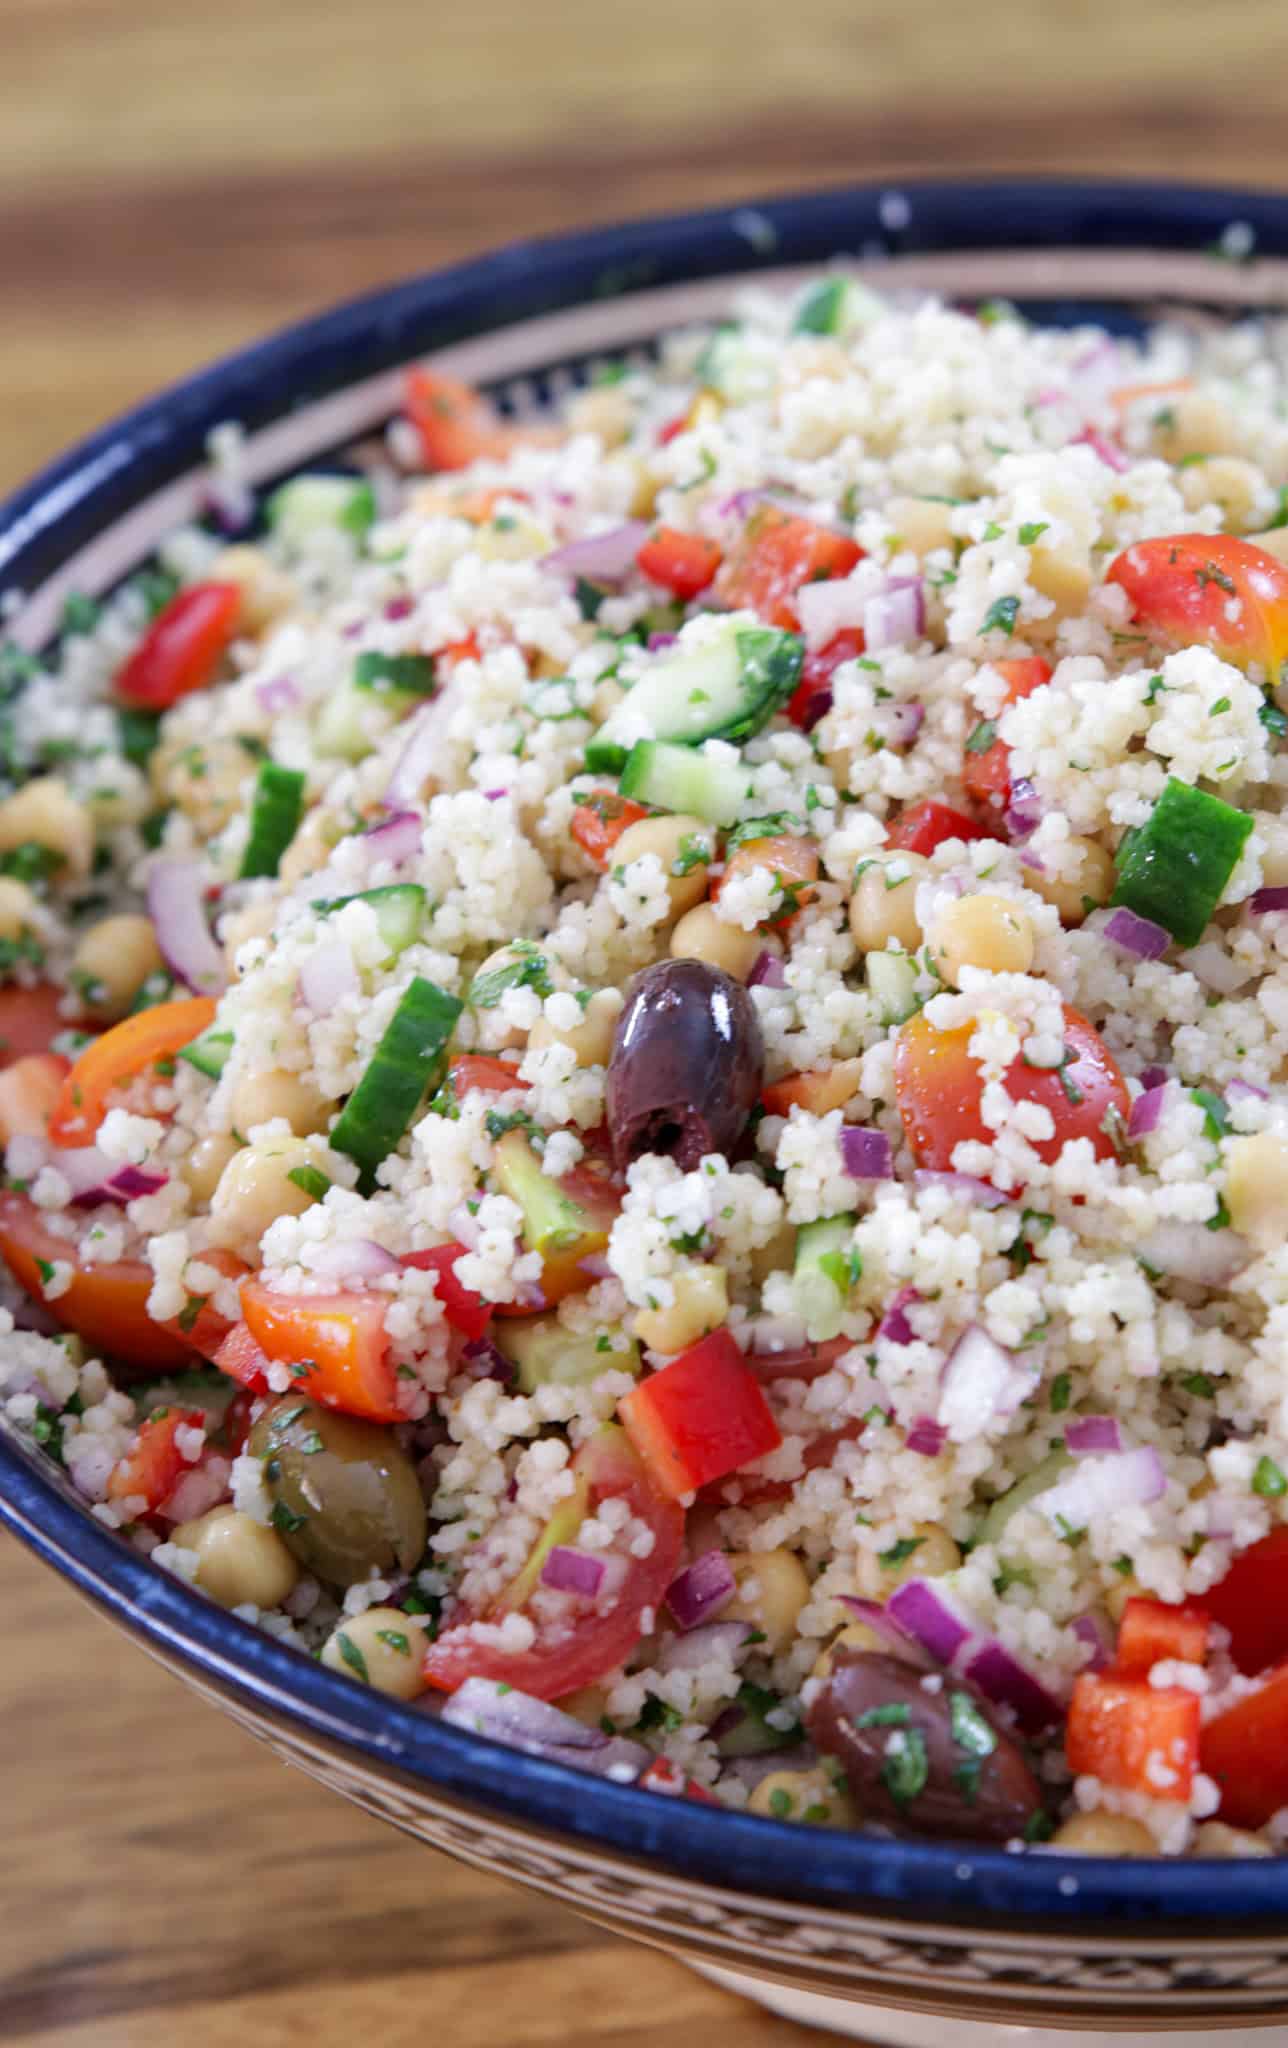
686,1067
927,1763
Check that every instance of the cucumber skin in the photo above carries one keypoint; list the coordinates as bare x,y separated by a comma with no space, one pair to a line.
1173,859
654,769
413,1043
207,1053
768,663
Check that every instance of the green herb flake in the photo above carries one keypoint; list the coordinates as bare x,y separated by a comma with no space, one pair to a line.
310,1180
971,1731
1198,1384
1216,1119
906,1767
781,1803
288,1522
352,1656
899,1552
1032,531
1001,616
983,736
45,1270
1061,1391
894,1715
1268,1480
396,1640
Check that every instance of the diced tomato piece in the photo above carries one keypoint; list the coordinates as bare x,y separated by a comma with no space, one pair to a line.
599,821
986,776
1151,1632
578,1647
241,1358
812,697
457,425
774,555
1252,1603
821,1089
1211,590
481,1073
463,1309
338,1339
29,1018
700,1417
926,825
106,1305
200,1322
1133,1735
154,1464
467,649
1245,1750
127,1049
672,427
938,1087
662,1776
684,563
754,1489
234,1430
29,1090
182,648
793,863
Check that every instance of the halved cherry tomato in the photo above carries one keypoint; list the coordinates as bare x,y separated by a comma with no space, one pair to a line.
1133,1735
462,1308
1251,1601
774,555
481,1073
580,1644
121,1053
924,826
1151,1632
241,1358
986,776
938,1089
684,563
200,1322
457,425
182,648
29,1018
29,1089
821,1089
599,821
793,864
106,1305
154,1464
1245,1750
700,1417
1209,589
812,697
338,1340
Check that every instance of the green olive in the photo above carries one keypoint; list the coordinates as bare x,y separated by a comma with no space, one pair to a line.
346,1499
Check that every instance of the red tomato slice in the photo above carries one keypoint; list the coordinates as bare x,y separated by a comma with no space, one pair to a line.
774,555
121,1053
928,824
684,563
812,697
481,1072
457,425
105,1305
1131,1734
201,1323
462,1308
29,1018
599,821
235,1428
821,1089
241,1358
794,863
154,1465
579,1644
182,648
1252,1603
700,1417
340,1339
1211,589
1245,1750
1151,1632
987,777
938,1089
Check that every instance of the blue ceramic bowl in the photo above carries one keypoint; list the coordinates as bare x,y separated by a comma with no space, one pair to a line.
912,1929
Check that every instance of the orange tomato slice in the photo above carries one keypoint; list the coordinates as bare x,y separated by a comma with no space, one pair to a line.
121,1053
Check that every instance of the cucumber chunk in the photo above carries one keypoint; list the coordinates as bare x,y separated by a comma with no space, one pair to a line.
400,1070
275,812
892,978
725,690
306,504
752,1734
825,1269
836,305
1040,1480
399,908
208,1053
678,779
546,1354
1174,868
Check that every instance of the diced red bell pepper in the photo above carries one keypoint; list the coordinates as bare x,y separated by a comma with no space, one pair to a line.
986,776
821,1089
480,1073
182,648
774,555
684,563
1133,1735
154,1464
241,1358
463,1309
754,1489
599,821
812,697
700,1417
926,825
1245,1750
1151,1632
1252,1603
662,1776
337,1340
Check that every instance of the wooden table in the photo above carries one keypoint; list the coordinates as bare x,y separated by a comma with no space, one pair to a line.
174,180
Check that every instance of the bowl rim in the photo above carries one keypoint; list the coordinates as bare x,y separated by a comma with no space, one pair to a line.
101,478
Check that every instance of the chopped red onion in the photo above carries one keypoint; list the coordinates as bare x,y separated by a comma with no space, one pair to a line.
597,1264
701,1590
1211,964
1091,1434
327,977
94,1178
197,1490
418,759
484,1706
1093,1630
1111,455
883,1624
768,972
176,896
721,1640
1248,1090
926,1612
828,608
926,1436
897,616
602,557
356,1258
740,503
573,1571
981,1382
1033,861
748,1771
1004,1680
1024,811
400,607
906,721
280,693
1190,1251
29,1315
1145,1112
1269,899
966,1186
231,504
866,1155
132,1182
657,641
396,838
1098,1487
1153,1077
464,1225
494,796
481,1359
894,1325
1139,936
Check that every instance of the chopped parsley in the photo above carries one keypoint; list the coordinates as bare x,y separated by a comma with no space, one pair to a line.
1061,1390
526,968
395,1639
1198,1384
896,1714
983,736
288,1522
1216,1121
971,1731
1032,530
1268,1480
310,1180
906,1767
693,852
353,1656
900,1552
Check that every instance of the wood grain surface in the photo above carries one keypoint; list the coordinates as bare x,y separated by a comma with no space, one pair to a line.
175,180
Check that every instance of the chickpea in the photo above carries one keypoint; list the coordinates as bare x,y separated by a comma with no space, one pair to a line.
701,1304
1104,1834
608,695
922,524
319,833
1214,1838
1273,542
776,1256
496,1032
113,961
884,903
265,592
605,411
17,908
684,844
588,1705
204,778
701,935
935,1554
252,921
813,1796
206,1162
1115,1597
389,1646
591,1040
855,1636
255,1188
1193,423
260,1097
46,811
1226,480
515,538
1089,882
1063,575
1272,830
239,1560
984,931
1256,1187
772,1589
